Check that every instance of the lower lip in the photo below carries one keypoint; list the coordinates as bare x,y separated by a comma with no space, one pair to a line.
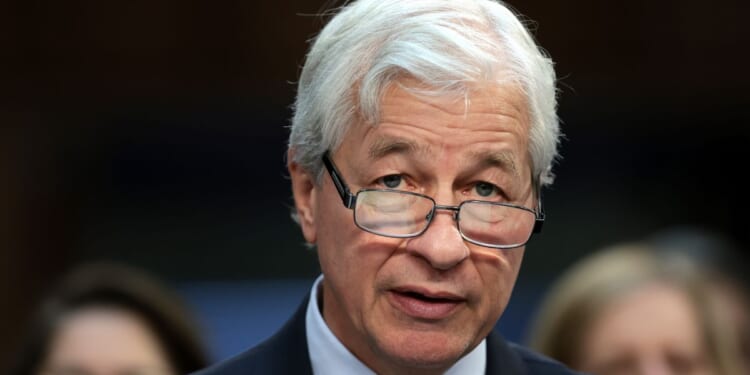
421,309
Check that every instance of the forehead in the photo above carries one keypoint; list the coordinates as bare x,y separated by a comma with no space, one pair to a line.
491,98
104,337
672,316
489,122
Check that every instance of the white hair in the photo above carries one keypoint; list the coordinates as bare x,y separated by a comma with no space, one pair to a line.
448,45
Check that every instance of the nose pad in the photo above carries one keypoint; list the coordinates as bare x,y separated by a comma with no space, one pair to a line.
430,215
441,245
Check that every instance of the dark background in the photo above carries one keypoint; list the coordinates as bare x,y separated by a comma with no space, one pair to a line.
153,132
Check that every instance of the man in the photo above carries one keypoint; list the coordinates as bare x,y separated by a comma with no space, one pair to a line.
423,132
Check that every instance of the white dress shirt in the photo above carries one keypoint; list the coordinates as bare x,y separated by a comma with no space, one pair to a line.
329,356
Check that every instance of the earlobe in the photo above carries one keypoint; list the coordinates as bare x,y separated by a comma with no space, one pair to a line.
305,191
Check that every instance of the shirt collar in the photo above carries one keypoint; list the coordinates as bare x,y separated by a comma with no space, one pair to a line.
329,356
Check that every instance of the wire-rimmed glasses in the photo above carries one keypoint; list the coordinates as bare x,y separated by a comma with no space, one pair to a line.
405,214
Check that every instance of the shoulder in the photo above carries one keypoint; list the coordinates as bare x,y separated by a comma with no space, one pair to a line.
265,358
283,353
245,363
536,363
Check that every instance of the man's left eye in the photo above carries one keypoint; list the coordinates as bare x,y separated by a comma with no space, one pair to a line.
486,189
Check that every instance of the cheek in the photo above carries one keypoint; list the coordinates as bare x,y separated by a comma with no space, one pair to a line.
497,272
355,258
334,229
352,266
350,258
497,265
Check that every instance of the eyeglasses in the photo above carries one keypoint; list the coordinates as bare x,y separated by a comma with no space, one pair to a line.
404,214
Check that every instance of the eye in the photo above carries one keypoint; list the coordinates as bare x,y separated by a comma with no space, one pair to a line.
486,189
391,181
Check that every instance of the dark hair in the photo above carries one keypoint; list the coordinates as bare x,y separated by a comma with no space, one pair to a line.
116,286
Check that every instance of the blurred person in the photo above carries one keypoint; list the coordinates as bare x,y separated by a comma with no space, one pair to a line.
630,310
110,319
697,250
423,132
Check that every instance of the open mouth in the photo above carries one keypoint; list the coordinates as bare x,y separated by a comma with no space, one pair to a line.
429,306
428,299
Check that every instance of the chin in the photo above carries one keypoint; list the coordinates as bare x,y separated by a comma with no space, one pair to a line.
424,350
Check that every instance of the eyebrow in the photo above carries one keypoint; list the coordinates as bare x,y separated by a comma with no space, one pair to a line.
501,159
386,145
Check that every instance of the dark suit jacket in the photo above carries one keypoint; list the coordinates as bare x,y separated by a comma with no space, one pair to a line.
286,353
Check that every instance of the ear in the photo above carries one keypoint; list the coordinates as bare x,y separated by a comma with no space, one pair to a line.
305,191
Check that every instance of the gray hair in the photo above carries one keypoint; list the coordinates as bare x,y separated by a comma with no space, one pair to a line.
445,44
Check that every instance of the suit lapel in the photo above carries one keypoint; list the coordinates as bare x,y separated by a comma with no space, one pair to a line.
501,359
289,345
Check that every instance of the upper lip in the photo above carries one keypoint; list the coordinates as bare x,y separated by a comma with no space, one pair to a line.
429,293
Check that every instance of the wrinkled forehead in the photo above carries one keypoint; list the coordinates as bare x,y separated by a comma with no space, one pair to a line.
485,126
488,107
492,92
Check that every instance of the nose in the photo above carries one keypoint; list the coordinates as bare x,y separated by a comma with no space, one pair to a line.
441,245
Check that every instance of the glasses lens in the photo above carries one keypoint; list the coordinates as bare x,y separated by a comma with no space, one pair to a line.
495,225
392,213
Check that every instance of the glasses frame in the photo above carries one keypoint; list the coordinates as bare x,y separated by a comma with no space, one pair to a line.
350,201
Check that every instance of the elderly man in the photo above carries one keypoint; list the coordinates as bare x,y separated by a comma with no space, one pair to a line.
422,135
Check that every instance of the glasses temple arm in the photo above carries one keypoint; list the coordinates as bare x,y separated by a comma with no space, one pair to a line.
346,195
540,215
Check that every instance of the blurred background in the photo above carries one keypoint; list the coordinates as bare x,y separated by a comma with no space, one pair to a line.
153,133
